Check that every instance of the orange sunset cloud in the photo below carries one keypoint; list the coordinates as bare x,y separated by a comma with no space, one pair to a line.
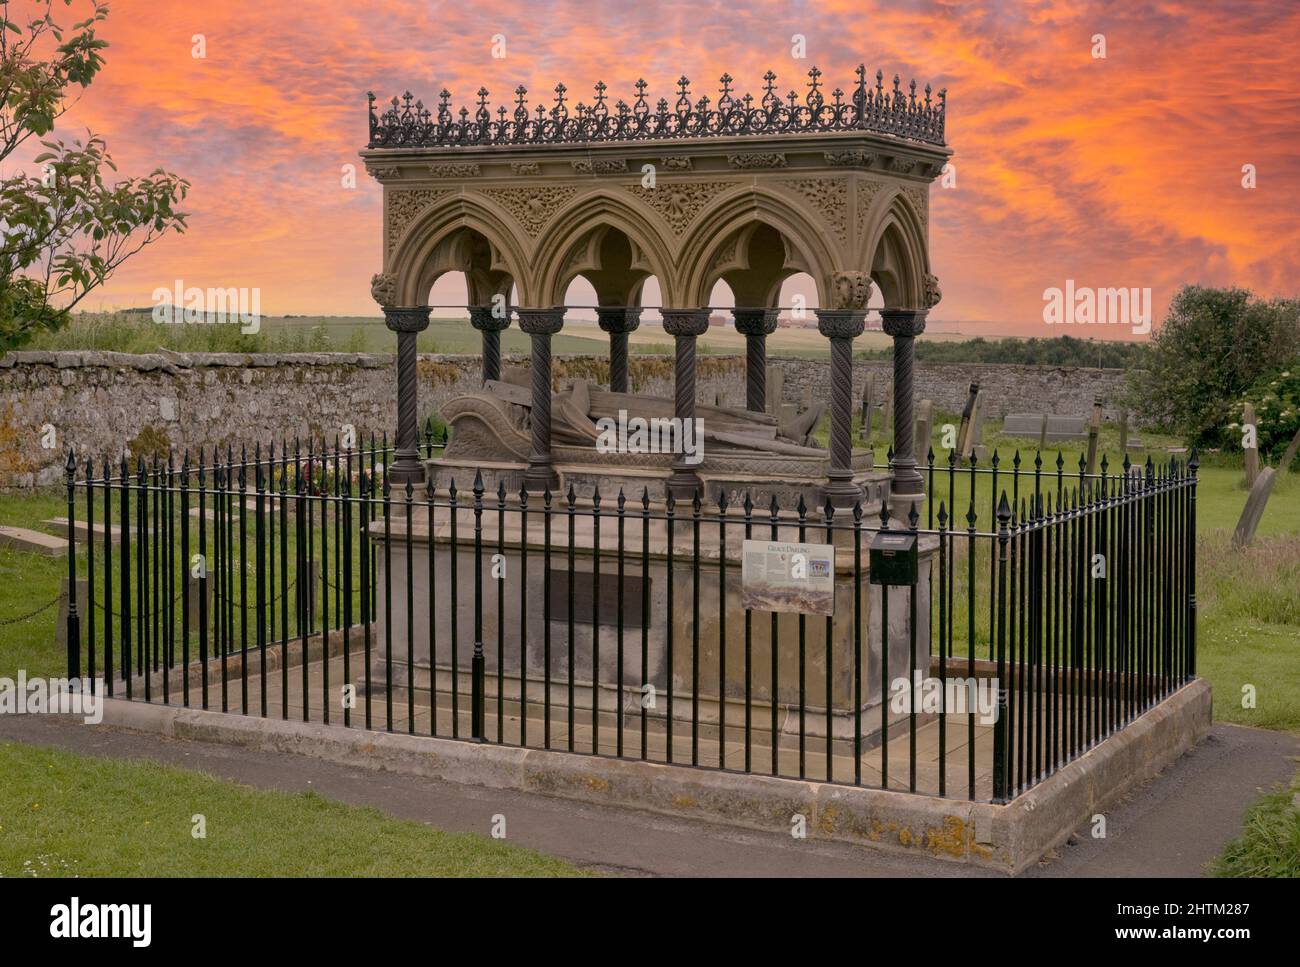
1117,171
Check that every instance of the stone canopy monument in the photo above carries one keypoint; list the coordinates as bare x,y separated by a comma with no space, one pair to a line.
749,190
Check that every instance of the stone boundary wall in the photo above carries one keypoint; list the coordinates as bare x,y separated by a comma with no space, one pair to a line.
102,402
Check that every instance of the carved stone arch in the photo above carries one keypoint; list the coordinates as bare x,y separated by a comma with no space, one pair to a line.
430,245
804,238
572,243
896,254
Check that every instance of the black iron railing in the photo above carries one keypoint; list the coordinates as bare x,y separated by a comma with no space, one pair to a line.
304,584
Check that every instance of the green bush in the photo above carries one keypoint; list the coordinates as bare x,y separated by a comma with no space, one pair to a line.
1276,399
1214,345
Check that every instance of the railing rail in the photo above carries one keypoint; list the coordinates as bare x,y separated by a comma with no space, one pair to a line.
611,625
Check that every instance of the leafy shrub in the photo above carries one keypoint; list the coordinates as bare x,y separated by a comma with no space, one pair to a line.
1276,399
1213,346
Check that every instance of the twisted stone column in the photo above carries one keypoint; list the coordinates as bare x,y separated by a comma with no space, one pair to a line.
756,325
541,324
407,322
841,327
684,325
484,319
618,322
904,325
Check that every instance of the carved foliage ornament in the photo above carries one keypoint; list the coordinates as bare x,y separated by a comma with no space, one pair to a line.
468,170
599,166
679,202
404,205
383,288
850,290
532,208
932,291
756,160
830,196
525,167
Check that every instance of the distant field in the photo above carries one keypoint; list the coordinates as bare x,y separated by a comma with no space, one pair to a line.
137,333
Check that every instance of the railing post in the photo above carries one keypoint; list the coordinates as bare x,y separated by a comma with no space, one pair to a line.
74,620
1000,727
477,665
1192,465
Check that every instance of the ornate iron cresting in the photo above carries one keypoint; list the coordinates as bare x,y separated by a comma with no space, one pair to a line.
407,123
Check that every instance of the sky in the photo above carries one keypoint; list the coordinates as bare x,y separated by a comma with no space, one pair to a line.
1123,170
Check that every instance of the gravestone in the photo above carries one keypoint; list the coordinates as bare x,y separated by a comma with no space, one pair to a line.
775,390
37,542
976,442
967,411
864,431
924,424
1066,428
1094,433
1022,424
1251,452
887,412
1291,449
1254,509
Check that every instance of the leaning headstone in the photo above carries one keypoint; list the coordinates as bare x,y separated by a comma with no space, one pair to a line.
1251,452
887,412
1291,449
967,411
924,423
1254,509
976,442
1123,431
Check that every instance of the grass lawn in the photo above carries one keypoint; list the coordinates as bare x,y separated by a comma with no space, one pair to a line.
63,814
1269,844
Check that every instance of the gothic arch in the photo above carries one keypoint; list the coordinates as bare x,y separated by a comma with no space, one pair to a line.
570,243
427,248
704,253
896,253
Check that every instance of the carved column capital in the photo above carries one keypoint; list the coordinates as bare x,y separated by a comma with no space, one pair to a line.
685,322
841,323
618,319
484,319
406,318
541,322
850,290
755,322
903,322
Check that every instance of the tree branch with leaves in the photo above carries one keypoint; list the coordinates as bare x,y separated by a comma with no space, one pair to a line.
66,229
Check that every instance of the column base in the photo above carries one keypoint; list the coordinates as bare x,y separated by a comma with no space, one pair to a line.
540,477
684,485
841,493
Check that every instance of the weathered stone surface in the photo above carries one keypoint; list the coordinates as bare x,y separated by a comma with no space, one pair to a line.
99,402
